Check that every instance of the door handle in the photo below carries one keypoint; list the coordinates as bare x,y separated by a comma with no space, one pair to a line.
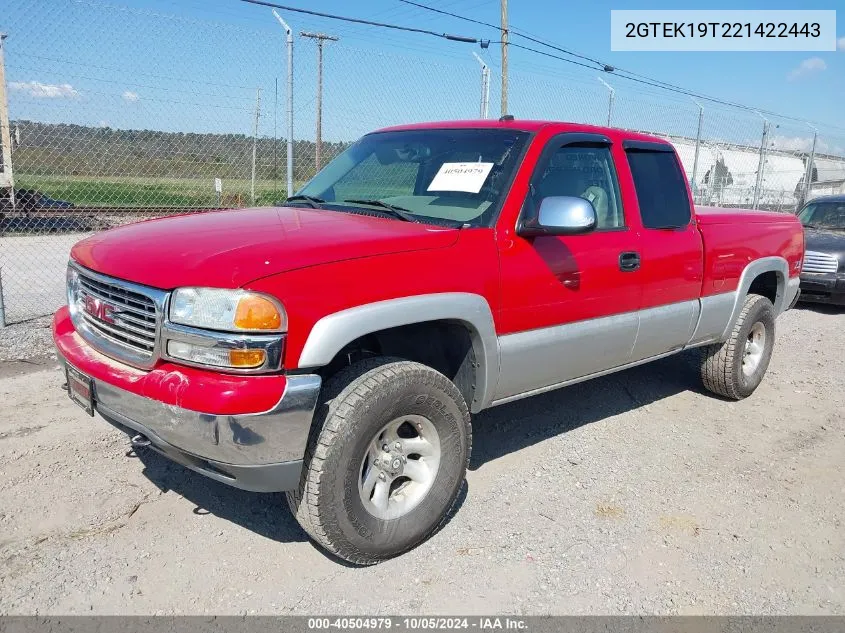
629,261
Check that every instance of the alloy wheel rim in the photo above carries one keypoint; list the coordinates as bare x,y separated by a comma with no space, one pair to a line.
755,345
399,467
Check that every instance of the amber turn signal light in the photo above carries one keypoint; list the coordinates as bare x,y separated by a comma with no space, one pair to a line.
246,358
257,313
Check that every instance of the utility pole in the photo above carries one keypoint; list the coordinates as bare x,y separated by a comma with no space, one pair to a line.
504,57
289,42
254,141
6,179
320,37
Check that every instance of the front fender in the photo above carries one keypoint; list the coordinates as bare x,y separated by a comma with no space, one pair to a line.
333,332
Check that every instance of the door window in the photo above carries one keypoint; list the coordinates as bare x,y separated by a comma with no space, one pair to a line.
584,172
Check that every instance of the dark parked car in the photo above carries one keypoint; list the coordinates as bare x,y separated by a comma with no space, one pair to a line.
31,200
823,273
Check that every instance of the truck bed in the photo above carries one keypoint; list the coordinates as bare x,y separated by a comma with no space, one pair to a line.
734,237
721,215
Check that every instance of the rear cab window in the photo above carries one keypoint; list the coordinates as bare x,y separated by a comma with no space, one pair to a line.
660,185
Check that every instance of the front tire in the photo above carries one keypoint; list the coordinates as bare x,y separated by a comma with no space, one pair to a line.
735,368
386,460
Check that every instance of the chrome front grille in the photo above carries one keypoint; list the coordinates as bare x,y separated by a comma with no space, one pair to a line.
131,321
117,317
815,262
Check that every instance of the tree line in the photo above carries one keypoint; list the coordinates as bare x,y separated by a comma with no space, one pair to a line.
66,149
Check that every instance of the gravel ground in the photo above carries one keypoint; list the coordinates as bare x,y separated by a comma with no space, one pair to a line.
635,493
27,340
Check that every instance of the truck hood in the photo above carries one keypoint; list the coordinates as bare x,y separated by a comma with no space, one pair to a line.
824,241
227,249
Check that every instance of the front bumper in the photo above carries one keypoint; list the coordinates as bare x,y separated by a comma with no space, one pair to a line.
260,451
823,288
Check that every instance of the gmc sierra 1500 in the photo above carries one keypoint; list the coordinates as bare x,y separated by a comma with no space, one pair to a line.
335,347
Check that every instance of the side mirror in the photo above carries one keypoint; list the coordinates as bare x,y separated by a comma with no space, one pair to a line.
560,215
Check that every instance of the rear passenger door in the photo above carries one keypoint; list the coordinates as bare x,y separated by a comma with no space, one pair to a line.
672,250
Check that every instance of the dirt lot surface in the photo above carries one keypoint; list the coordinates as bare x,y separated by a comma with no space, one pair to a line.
634,493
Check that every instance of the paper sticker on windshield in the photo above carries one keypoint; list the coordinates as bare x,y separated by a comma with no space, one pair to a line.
468,177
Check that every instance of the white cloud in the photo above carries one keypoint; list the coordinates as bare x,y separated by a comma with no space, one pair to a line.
804,144
840,43
792,143
808,67
45,91
799,143
130,96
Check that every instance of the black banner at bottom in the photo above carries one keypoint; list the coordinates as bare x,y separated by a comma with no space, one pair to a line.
482,623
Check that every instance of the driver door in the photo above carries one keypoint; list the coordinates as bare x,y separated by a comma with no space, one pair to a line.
570,303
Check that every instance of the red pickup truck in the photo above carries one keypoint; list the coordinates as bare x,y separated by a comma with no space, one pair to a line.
335,347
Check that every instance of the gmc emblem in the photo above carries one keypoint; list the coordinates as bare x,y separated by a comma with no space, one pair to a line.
99,309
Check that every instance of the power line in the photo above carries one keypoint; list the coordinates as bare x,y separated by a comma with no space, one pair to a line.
452,15
514,30
539,52
596,64
600,65
389,38
409,29
655,83
642,81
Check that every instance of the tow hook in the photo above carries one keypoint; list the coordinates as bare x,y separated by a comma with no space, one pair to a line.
139,441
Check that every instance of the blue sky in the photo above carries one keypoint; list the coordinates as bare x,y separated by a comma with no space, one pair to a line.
194,65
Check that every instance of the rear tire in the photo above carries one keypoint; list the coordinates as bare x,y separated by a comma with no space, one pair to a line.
735,368
385,462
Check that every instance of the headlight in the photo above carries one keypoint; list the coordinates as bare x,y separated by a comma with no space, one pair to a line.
227,310
73,296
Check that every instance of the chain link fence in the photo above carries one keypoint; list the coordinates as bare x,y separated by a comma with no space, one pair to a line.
118,114
733,157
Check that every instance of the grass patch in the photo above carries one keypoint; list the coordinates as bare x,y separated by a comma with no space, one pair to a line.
151,192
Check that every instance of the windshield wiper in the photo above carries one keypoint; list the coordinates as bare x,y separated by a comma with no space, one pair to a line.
390,209
313,202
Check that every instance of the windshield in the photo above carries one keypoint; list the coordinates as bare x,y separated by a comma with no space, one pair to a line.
442,176
824,215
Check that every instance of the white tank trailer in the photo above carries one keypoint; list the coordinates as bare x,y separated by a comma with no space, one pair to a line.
727,175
